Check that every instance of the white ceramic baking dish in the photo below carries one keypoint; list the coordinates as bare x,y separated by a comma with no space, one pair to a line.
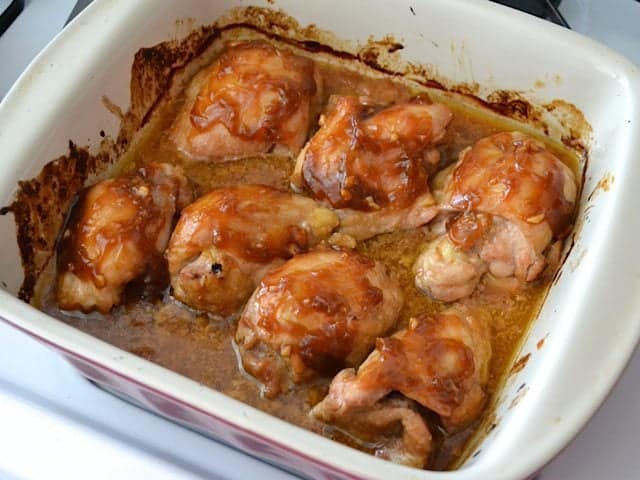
591,318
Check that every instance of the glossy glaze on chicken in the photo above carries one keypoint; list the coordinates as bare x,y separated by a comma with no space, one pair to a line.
338,250
230,237
315,314
510,201
254,99
372,163
117,233
441,361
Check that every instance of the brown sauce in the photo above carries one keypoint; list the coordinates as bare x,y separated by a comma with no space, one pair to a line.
200,346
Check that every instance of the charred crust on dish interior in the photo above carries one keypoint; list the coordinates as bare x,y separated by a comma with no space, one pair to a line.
40,209
154,68
540,343
519,364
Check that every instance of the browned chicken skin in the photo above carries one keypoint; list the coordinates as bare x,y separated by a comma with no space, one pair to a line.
513,176
317,313
228,239
441,361
373,167
515,199
253,100
117,233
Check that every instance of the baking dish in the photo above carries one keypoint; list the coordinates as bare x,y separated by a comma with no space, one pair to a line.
588,326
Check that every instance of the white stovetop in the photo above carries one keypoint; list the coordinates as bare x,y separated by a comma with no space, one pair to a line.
55,424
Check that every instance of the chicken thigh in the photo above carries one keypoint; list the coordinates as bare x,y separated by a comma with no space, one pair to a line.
228,239
510,200
440,361
317,313
117,233
373,166
255,99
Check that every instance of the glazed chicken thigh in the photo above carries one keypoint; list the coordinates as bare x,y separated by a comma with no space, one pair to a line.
372,166
255,99
228,239
117,233
441,361
317,313
509,199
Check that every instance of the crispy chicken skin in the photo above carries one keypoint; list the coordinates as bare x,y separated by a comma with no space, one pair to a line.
372,166
440,361
317,313
228,239
117,233
510,199
255,99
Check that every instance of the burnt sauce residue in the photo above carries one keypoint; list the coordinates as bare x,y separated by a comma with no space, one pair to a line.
200,346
